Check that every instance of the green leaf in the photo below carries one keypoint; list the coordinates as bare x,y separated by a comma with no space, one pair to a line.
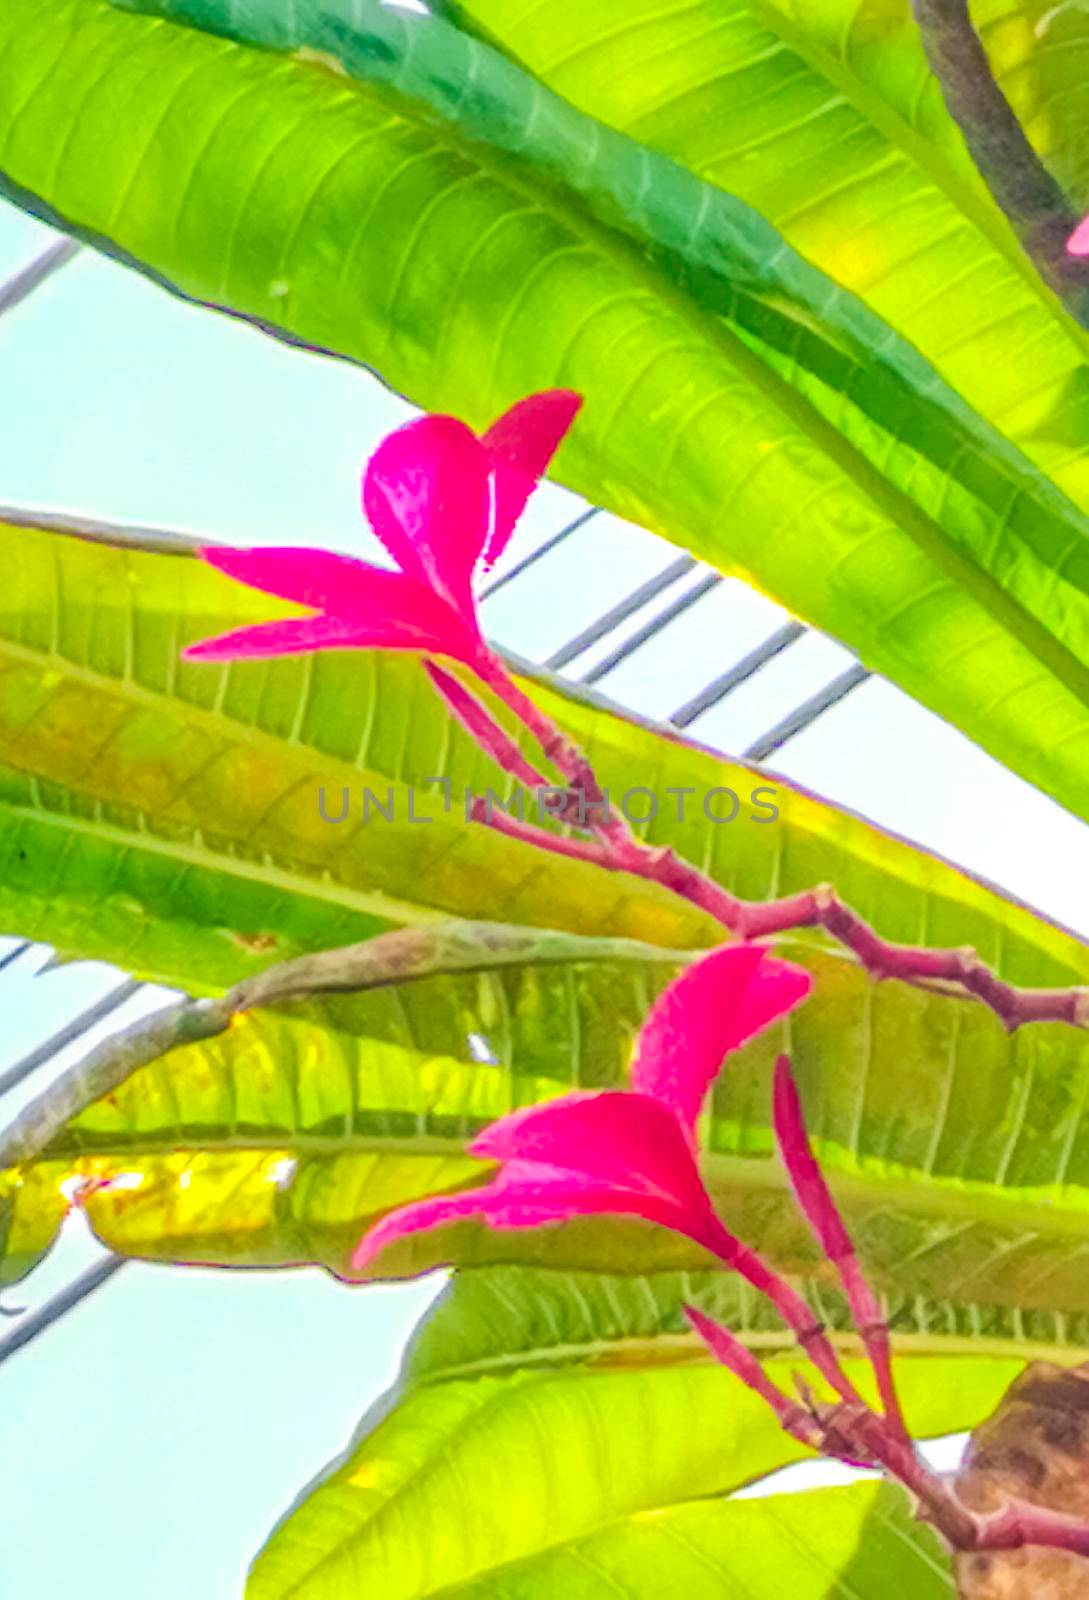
554,1434
737,399
282,1138
185,822
853,1543
185,803
175,818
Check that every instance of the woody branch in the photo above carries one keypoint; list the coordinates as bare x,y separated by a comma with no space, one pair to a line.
614,846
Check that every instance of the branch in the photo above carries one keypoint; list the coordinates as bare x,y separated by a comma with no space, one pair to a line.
617,848
1033,202
959,972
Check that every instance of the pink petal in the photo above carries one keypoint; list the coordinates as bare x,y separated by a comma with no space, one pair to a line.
720,1002
318,578
427,497
365,607
1078,242
297,635
340,585
287,638
521,443
611,1137
526,1195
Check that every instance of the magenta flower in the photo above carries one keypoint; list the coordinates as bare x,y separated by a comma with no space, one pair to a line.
444,503
627,1152
1078,242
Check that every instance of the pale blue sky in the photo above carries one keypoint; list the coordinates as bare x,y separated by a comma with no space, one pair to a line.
149,1441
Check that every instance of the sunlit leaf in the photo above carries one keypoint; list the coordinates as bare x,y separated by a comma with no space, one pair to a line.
738,400
559,1436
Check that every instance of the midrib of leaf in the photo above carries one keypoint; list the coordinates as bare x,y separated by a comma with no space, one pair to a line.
913,520
687,1347
1035,1213
900,133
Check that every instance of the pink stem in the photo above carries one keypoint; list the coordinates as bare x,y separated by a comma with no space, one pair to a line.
795,1312
959,970
821,1212
743,1364
529,833
491,738
962,968
1019,1524
594,810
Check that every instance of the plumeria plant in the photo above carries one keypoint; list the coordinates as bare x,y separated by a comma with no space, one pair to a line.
445,503
799,286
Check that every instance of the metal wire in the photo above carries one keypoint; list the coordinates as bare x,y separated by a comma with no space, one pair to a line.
67,1035
649,630
16,954
621,612
541,551
806,714
33,1323
744,669
24,283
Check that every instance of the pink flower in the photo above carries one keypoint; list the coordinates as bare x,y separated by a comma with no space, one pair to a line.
1078,242
627,1152
444,503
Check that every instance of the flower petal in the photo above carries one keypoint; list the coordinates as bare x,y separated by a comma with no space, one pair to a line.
427,497
280,639
318,578
1078,242
341,586
364,607
806,1178
524,1195
714,1007
521,443
611,1137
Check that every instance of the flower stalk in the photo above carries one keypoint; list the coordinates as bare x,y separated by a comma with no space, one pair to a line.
849,1430
444,502
615,847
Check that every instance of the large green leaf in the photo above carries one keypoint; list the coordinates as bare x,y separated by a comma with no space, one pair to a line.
184,822
281,1139
955,1157
559,1436
956,1148
149,803
855,1543
737,399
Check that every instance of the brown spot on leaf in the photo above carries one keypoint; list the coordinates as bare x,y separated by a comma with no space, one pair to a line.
258,943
